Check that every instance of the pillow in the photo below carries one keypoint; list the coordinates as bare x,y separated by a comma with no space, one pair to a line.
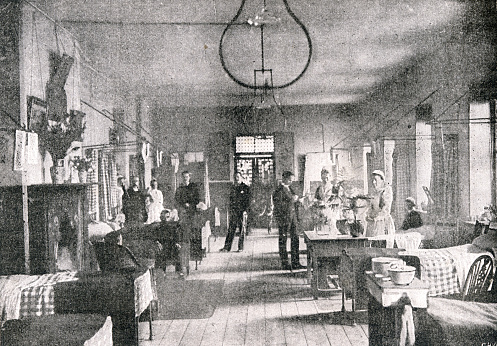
98,230
486,241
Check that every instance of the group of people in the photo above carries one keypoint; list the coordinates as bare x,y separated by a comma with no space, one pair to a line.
138,205
283,209
335,213
174,226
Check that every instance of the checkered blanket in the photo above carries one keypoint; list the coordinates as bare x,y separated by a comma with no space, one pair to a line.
438,269
37,298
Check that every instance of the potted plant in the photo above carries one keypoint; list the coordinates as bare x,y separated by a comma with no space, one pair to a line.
57,138
83,165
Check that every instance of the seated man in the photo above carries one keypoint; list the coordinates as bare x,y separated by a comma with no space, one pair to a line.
169,234
350,225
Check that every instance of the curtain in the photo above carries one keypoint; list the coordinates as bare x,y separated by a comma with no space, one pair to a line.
403,171
445,176
107,186
114,203
93,189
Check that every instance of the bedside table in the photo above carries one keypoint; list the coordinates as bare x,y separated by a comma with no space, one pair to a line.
386,305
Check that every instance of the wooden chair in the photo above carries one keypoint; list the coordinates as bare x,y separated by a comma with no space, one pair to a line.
469,320
479,279
115,258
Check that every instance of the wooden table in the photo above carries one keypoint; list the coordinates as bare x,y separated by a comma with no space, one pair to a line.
386,305
353,265
323,255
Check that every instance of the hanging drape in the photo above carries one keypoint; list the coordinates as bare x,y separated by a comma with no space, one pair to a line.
403,171
103,196
445,175
206,185
93,189
107,186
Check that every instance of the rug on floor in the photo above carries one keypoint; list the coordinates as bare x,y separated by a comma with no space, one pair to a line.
188,299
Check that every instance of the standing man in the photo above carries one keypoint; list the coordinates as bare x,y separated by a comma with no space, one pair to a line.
134,203
284,199
187,198
239,204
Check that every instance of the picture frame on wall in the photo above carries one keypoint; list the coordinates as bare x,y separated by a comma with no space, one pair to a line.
37,113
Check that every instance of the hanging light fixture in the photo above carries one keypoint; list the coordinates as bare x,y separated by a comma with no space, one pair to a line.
263,84
263,80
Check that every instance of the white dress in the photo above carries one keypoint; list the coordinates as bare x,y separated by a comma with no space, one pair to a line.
327,209
156,206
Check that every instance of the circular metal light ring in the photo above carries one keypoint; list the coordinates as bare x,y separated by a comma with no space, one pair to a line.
251,86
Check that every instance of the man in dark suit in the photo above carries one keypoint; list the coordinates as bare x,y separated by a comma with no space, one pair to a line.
284,200
187,199
170,234
239,204
134,203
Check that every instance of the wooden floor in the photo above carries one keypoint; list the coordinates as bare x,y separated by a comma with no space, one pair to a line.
261,305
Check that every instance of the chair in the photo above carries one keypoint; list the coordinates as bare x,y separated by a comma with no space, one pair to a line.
467,321
115,258
479,278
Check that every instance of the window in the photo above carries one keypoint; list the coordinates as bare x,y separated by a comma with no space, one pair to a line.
254,144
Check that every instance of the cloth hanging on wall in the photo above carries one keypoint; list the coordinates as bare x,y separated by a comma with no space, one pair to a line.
20,150
32,148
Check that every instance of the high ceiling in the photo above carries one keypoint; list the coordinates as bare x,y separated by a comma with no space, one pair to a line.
170,49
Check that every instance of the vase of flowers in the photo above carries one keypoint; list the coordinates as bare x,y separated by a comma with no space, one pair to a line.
57,137
83,165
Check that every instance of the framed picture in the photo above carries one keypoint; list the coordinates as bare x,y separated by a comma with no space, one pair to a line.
37,113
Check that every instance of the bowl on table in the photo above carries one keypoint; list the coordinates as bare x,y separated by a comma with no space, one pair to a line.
380,265
401,274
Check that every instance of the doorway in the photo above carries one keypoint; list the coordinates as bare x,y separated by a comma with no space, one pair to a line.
254,156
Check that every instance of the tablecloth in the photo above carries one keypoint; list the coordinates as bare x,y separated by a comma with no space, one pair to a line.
143,292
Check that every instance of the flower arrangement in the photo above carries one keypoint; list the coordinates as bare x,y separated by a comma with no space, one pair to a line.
82,164
57,137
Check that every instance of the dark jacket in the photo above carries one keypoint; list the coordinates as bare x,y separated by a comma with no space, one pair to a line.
284,205
239,198
134,206
412,220
188,194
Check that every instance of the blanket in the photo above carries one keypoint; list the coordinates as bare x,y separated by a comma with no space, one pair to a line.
445,269
10,294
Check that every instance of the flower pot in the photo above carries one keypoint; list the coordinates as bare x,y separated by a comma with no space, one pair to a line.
83,176
57,173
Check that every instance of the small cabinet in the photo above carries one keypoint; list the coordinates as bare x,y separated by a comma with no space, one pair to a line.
58,228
